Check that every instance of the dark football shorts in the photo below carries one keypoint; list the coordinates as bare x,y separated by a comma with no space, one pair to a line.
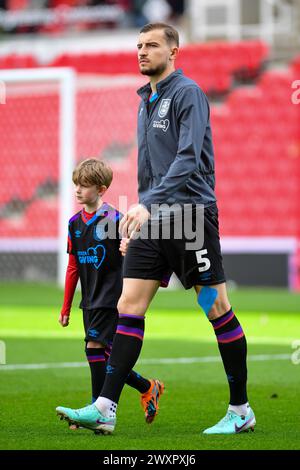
100,325
154,258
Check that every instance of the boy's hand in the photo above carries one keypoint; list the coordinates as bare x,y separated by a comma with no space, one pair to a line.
64,320
124,245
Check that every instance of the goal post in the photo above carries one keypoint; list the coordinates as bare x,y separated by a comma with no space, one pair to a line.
66,85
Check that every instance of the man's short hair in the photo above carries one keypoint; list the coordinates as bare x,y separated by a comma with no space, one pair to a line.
92,172
171,35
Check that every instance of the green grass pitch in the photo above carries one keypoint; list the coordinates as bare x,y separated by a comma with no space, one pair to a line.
179,348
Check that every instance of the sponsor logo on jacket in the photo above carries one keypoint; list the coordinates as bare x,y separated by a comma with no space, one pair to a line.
162,124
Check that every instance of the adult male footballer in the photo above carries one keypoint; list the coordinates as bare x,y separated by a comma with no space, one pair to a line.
175,165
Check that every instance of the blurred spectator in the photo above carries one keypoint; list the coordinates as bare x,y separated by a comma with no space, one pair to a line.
35,4
138,13
177,7
138,19
16,4
69,3
150,11
156,11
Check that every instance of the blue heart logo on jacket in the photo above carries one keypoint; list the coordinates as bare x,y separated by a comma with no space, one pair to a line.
93,251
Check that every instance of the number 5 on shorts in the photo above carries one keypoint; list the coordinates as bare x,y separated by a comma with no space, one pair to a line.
202,260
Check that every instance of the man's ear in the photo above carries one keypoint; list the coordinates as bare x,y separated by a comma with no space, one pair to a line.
174,53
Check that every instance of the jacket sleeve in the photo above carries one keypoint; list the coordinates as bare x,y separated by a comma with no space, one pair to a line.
192,112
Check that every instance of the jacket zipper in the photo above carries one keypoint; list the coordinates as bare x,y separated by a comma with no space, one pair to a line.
148,162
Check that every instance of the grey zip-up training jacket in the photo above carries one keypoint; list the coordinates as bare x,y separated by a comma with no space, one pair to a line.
175,151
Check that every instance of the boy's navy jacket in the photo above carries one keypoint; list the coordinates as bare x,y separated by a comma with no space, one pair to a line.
175,151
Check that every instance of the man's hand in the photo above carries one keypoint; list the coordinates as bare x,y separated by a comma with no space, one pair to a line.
64,320
133,220
124,245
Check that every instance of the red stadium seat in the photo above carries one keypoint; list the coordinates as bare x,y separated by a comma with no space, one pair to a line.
41,210
18,61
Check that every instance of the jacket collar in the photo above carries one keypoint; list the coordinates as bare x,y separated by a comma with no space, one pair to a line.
145,90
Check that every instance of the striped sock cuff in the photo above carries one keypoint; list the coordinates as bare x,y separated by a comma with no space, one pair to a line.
107,351
125,315
231,336
96,358
125,330
223,320
95,354
227,328
131,325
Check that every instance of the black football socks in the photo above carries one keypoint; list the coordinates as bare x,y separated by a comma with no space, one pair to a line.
126,349
233,349
134,380
96,360
138,382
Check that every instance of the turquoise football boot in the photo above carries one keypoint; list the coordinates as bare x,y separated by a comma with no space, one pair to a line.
232,423
88,417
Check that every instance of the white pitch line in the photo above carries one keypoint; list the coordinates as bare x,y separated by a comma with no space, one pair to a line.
166,360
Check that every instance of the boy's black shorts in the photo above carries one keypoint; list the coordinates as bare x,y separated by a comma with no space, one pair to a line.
100,325
152,259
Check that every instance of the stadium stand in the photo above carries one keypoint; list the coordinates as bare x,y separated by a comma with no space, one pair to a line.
296,66
213,65
258,158
18,61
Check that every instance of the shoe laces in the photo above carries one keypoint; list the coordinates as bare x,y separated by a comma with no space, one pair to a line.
153,398
228,417
85,409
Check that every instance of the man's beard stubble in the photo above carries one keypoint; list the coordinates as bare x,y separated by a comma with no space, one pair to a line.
154,71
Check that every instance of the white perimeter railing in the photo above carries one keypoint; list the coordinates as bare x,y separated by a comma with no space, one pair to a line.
223,19
62,15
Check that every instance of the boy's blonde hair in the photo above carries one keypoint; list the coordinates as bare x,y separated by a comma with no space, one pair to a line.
92,172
